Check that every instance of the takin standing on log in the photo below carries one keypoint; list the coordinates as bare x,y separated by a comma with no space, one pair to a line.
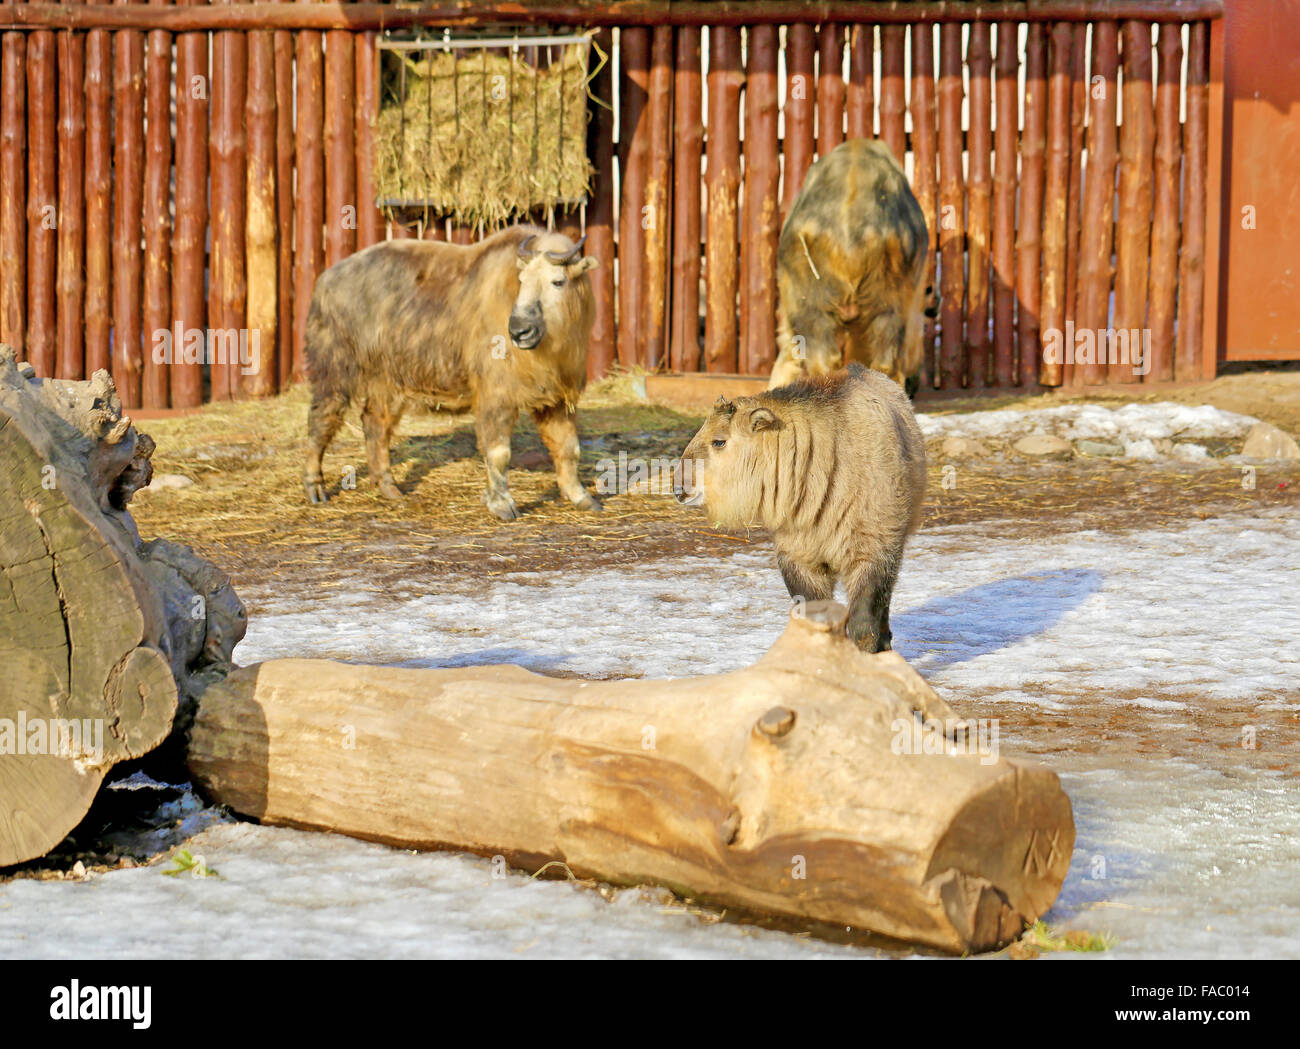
851,270
497,328
834,468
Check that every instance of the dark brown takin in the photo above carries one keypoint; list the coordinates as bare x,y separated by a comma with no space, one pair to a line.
851,270
496,328
834,468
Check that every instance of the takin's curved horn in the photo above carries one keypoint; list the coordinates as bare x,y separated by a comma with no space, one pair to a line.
565,257
525,252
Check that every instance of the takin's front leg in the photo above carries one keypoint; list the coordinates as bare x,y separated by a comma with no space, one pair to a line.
870,590
558,426
806,582
495,424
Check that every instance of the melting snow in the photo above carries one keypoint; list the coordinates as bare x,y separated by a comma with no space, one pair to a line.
1174,858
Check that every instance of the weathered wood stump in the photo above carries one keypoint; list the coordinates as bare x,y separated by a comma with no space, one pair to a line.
786,788
100,635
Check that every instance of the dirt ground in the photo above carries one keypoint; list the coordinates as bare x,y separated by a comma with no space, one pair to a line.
246,511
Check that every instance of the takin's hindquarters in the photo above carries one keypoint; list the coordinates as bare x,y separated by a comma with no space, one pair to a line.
852,270
834,468
497,327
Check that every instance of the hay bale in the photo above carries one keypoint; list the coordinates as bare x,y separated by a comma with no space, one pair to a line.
482,136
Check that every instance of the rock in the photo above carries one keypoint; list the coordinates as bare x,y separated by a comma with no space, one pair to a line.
1044,446
1266,441
1099,448
964,448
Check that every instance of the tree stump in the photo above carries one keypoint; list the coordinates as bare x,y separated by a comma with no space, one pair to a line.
797,787
97,631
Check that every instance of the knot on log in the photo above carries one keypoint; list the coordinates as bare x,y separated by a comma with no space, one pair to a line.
827,617
776,722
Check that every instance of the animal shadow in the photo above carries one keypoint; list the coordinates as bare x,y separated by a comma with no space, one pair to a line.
958,627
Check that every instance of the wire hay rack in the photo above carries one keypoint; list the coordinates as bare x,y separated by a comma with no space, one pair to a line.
483,130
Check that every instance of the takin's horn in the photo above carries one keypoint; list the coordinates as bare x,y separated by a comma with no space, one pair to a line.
525,252
565,257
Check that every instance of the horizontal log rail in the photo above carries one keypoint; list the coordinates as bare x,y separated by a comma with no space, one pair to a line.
370,16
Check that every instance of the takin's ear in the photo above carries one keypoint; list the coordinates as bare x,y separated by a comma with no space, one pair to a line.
587,262
522,262
763,419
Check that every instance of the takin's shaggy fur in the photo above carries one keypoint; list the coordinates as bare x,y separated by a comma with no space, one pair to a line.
851,270
498,327
834,468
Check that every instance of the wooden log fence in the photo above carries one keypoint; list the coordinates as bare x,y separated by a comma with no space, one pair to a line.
1060,219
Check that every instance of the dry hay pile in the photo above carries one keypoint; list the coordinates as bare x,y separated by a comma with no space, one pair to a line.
481,136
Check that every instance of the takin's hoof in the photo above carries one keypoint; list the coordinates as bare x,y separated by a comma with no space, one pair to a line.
316,493
503,509
588,502
389,490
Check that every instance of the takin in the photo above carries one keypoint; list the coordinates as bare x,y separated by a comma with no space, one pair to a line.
834,468
851,270
496,328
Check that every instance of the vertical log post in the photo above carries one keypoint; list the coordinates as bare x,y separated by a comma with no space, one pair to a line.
262,260
1055,197
925,176
340,147
156,391
860,97
761,226
128,209
659,216
309,216
1164,226
1133,234
800,100
980,205
688,148
1006,141
228,279
634,156
1099,197
1029,220
1079,85
892,128
283,46
70,282
13,192
42,201
370,223
952,208
600,210
830,87
1189,363
189,251
723,185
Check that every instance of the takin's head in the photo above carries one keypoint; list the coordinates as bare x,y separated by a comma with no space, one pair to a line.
551,270
726,463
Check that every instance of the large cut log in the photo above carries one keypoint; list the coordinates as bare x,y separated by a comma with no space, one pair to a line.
100,635
799,787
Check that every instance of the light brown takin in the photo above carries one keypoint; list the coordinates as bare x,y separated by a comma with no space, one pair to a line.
851,270
496,328
834,468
